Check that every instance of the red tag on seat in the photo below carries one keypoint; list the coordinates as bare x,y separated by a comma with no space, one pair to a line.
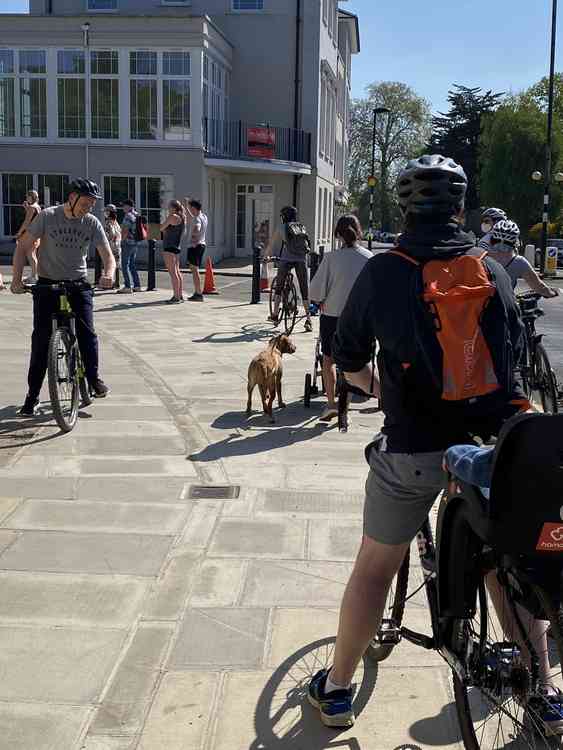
551,538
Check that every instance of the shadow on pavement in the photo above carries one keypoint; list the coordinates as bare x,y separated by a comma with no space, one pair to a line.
248,333
283,717
437,731
131,306
18,432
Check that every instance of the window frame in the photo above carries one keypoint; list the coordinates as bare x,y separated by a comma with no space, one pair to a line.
101,10
247,10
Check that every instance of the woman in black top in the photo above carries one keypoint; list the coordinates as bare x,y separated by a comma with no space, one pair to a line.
172,231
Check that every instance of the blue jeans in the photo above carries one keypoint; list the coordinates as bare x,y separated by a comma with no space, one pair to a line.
129,264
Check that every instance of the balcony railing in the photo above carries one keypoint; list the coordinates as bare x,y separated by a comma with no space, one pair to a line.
241,140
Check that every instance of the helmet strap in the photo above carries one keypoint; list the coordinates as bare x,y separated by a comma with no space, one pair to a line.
73,205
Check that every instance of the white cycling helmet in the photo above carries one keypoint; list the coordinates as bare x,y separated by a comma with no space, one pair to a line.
493,215
506,232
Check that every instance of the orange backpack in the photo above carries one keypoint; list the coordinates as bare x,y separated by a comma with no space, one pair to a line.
456,292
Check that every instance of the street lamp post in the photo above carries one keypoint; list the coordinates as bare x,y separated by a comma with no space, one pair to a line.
86,44
547,175
371,182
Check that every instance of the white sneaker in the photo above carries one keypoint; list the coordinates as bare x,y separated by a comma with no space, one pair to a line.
125,290
328,414
137,289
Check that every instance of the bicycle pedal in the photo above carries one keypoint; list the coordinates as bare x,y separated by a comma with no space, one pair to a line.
388,634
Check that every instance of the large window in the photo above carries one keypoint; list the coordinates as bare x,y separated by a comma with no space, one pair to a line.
71,94
248,4
176,95
7,87
143,101
148,193
14,188
104,97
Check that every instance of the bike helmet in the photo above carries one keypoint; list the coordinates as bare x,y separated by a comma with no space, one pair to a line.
84,187
507,232
431,184
493,214
288,214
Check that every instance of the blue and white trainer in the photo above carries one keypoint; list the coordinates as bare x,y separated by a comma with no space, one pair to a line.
335,707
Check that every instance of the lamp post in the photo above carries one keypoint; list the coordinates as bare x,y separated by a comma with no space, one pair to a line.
547,175
538,177
372,180
86,43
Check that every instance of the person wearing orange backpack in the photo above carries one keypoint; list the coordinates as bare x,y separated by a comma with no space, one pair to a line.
440,386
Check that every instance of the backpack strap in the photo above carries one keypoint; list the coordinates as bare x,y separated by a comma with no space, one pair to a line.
403,255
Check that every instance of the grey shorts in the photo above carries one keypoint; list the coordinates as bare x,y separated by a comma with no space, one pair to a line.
400,490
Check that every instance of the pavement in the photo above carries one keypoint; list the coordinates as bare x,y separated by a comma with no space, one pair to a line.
171,570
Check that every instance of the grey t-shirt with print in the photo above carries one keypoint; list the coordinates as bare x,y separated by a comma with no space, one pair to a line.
65,243
199,229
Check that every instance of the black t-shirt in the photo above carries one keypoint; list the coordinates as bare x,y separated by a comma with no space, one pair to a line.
417,420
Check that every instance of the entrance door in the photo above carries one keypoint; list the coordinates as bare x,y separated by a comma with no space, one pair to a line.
255,217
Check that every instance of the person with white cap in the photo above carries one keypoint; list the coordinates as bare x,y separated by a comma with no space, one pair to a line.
113,233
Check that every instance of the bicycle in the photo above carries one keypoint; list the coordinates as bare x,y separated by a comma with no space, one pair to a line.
537,373
493,655
288,306
68,387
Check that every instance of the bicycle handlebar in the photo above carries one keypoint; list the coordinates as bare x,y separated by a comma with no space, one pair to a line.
529,296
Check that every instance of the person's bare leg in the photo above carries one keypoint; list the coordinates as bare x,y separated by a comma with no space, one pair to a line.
363,603
169,263
196,278
179,276
535,629
329,377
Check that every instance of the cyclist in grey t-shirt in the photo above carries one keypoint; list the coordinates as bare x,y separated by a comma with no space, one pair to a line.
66,233
504,243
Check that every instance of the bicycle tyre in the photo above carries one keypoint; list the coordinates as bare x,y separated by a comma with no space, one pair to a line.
377,652
546,380
307,392
61,343
289,308
533,739
272,294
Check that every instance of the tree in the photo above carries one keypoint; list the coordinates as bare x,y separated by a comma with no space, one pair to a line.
399,136
457,132
512,147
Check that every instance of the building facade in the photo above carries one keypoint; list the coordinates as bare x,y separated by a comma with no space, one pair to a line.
240,103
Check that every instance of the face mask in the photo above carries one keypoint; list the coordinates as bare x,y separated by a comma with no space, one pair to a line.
486,227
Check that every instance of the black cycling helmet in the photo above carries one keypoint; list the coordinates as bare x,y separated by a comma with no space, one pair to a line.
288,214
431,184
84,187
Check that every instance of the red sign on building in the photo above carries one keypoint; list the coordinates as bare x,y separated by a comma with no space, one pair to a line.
262,143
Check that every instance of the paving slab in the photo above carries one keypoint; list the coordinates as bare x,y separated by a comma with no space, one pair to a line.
128,698
335,540
99,516
181,712
220,637
166,489
63,665
155,465
36,726
218,583
60,599
169,593
115,444
59,488
127,554
101,742
235,537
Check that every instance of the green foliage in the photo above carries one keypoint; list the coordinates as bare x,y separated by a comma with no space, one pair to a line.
512,147
399,136
457,132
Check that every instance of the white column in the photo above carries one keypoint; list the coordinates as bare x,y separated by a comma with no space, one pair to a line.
196,97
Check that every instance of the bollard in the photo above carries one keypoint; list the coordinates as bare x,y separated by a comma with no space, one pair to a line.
550,270
151,266
97,268
530,254
313,264
255,300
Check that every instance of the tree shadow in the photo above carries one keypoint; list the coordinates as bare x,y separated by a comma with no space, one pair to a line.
283,717
131,306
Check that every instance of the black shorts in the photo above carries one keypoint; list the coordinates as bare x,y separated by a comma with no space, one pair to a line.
328,325
174,250
195,255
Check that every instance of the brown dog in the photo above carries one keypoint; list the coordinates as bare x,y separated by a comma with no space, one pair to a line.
265,371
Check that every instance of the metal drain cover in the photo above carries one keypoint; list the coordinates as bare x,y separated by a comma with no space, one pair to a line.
214,492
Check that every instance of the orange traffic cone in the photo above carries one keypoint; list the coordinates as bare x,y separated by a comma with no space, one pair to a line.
209,286
264,278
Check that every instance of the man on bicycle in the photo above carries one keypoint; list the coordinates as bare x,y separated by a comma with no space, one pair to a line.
289,260
489,218
66,233
405,460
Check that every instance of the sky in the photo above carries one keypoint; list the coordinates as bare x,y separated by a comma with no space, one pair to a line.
498,44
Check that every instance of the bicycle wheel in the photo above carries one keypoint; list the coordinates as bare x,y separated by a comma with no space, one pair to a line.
378,650
546,381
289,308
495,705
273,286
63,378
